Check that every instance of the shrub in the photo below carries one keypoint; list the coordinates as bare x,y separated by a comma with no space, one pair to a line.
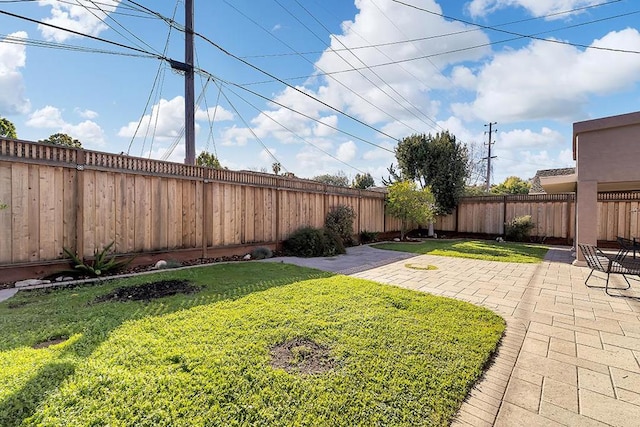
519,228
340,220
261,253
368,236
101,263
313,242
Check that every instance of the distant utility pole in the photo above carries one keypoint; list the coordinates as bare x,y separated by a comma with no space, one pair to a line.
489,156
189,107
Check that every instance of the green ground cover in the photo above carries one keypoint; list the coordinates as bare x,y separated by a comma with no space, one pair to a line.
486,250
395,357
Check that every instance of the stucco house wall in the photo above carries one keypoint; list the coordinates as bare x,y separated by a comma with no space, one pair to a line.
607,154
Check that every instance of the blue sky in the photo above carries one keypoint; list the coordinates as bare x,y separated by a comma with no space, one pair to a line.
383,70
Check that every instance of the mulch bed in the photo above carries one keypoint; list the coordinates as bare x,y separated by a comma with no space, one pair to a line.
149,291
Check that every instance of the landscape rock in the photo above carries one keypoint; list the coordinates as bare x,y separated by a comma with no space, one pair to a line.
397,239
247,257
160,264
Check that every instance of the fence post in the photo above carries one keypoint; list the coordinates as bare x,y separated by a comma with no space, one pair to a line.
504,213
80,163
204,237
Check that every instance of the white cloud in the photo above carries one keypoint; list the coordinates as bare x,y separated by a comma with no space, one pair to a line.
523,138
393,92
546,80
87,114
48,117
218,114
395,97
166,120
235,136
88,132
347,151
463,77
534,7
13,57
83,17
276,28
320,129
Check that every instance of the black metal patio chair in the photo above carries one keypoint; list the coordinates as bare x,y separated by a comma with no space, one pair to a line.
619,263
628,244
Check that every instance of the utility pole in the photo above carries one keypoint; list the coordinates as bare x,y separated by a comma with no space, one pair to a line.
189,107
489,157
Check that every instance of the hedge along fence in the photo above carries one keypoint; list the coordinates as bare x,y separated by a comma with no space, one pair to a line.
82,200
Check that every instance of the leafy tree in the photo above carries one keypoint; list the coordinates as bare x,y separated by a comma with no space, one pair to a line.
475,190
209,160
512,185
438,162
7,129
62,139
409,204
340,179
363,181
276,167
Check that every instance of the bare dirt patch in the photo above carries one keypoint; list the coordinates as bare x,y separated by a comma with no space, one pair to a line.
302,355
50,342
149,291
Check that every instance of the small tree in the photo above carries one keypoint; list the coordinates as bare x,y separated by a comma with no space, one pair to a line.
512,185
363,181
7,129
62,139
339,180
408,204
276,167
209,160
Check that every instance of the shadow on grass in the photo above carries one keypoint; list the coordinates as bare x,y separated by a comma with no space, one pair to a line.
23,402
38,315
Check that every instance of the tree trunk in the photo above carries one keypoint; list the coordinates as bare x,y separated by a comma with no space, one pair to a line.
430,233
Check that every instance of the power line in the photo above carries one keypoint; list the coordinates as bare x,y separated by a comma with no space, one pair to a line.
57,27
530,36
292,132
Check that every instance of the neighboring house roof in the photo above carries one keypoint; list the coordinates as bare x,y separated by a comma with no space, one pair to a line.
536,187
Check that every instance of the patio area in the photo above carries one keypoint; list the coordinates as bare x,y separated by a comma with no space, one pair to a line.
570,356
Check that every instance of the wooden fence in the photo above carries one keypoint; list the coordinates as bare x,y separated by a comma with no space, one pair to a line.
82,200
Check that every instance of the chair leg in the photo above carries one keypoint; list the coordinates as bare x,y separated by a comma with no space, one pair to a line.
606,287
588,277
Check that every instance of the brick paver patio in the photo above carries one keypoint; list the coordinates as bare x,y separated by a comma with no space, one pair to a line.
570,355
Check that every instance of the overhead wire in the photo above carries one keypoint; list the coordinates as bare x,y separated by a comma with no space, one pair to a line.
262,112
107,15
345,86
153,86
279,104
513,33
462,49
257,138
435,36
361,73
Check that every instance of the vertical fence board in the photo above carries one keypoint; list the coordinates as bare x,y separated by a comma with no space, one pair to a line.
6,189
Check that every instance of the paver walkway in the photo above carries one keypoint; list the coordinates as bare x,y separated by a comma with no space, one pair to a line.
570,355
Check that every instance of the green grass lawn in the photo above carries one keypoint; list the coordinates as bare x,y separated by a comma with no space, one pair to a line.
397,357
487,250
